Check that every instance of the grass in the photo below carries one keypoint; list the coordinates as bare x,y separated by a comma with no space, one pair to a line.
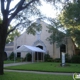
31,76
47,66
8,61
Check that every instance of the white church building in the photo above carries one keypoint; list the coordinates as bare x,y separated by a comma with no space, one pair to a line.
39,40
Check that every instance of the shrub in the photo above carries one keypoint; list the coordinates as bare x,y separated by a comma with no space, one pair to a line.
57,60
18,59
67,58
23,59
11,57
75,59
28,57
47,58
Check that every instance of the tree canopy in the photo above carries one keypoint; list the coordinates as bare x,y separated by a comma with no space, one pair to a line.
70,18
10,37
56,35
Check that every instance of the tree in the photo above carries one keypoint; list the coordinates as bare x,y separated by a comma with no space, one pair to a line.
18,12
8,15
33,28
55,34
70,18
10,37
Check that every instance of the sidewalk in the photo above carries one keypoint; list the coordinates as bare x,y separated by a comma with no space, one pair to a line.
14,64
37,72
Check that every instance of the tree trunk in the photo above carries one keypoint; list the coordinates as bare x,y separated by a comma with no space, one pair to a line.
3,34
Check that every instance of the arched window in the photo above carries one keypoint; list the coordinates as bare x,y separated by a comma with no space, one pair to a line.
39,55
63,48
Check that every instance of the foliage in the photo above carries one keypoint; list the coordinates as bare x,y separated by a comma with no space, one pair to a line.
70,15
28,57
75,58
47,58
57,60
33,28
67,58
11,57
55,34
11,36
70,18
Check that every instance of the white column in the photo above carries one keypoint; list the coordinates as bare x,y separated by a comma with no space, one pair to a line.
37,56
63,58
32,56
15,56
43,56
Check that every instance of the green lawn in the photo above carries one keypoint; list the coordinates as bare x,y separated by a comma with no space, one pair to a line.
31,76
47,66
8,61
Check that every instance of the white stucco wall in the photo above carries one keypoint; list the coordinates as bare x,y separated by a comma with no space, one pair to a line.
29,39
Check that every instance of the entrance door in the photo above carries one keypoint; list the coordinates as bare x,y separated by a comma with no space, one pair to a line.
39,55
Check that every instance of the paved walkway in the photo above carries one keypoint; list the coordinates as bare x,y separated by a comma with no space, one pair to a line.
14,64
37,72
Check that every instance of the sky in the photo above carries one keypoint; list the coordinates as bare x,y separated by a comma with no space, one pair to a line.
46,9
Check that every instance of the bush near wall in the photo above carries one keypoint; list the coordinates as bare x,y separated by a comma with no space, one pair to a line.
11,57
67,58
57,60
75,58
47,58
28,57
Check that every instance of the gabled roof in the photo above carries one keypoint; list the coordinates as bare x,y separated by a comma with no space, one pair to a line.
25,48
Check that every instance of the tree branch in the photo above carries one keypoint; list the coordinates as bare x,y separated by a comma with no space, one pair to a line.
2,7
13,29
14,7
20,7
8,5
29,4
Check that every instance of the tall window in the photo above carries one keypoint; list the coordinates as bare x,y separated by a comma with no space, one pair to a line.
18,53
62,49
39,54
